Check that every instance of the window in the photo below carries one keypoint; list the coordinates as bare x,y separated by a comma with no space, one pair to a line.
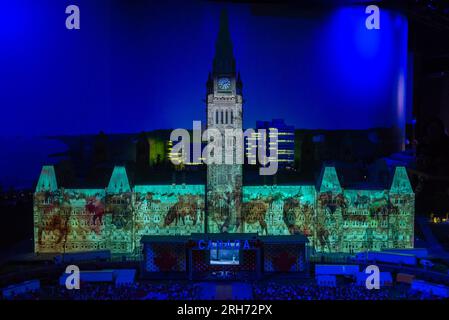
216,117
226,117
221,116
230,141
232,117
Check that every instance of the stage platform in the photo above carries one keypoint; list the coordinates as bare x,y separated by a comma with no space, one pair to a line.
223,256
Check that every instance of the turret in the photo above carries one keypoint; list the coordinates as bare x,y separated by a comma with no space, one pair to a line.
47,180
239,85
119,181
329,181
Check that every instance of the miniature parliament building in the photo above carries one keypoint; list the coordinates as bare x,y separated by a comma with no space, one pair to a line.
323,216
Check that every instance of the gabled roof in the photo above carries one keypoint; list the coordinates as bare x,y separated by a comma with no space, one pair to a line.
47,180
401,182
328,181
119,181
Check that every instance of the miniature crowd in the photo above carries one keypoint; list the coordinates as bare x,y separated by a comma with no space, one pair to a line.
277,291
188,291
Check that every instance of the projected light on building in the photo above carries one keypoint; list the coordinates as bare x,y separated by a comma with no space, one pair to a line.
334,219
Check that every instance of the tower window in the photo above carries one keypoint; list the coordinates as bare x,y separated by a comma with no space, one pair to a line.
232,117
226,117
216,117
221,116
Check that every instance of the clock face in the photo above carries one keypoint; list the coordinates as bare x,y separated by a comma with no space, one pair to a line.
224,84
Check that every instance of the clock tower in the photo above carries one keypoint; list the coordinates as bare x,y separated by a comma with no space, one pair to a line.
224,111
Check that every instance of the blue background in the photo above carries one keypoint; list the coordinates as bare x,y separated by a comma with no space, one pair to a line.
141,66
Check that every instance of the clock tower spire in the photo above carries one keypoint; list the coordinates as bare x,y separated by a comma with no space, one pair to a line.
224,112
224,61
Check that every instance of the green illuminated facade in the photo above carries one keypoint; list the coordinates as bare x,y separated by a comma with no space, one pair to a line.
119,215
115,218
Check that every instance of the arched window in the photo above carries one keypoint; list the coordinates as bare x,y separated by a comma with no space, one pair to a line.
232,117
216,117
226,117
221,116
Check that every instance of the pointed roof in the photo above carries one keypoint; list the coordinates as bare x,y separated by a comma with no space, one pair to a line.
119,181
401,182
239,80
329,181
47,180
209,84
224,61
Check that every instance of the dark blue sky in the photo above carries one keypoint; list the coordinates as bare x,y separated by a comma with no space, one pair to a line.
137,66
